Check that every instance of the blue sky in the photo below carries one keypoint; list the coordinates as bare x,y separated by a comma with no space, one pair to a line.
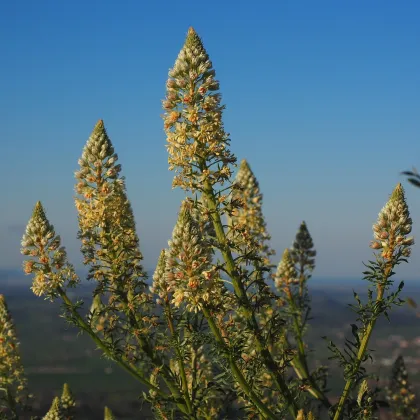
322,99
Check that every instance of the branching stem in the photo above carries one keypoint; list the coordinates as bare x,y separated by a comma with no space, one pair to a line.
244,301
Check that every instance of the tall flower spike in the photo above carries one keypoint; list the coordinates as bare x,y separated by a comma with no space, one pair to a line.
67,400
98,162
56,411
49,260
160,285
13,382
302,252
97,177
250,214
107,228
400,393
108,414
196,140
393,226
190,275
286,274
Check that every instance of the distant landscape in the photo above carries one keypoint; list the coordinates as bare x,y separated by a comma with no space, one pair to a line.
53,353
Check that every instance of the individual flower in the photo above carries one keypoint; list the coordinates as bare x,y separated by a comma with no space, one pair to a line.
196,140
393,225
96,314
13,382
301,415
365,401
48,264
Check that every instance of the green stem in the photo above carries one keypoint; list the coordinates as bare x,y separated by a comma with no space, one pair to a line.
180,363
145,345
243,300
363,346
11,402
235,369
299,362
129,367
166,373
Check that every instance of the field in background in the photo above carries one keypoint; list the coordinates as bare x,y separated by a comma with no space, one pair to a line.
53,353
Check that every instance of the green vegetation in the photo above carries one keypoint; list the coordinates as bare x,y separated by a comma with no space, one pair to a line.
219,333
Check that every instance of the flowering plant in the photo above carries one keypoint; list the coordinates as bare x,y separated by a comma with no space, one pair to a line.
219,332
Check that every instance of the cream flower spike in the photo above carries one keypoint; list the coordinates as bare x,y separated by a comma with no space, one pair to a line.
189,271
160,284
250,214
67,399
97,163
55,412
108,415
12,374
286,272
49,260
392,227
193,120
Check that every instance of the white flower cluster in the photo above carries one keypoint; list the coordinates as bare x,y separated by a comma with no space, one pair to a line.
393,226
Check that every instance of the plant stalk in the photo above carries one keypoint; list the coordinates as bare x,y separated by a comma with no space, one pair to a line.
360,354
148,349
244,301
180,364
129,367
236,371
299,362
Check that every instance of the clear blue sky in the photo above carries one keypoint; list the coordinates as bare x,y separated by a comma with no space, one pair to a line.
323,99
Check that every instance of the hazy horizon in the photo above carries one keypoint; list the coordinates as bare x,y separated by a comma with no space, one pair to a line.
322,100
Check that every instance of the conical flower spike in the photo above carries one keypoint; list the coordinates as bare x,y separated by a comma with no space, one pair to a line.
56,411
400,393
160,285
107,229
286,272
302,252
393,226
67,400
97,178
193,120
249,214
98,162
12,378
49,260
108,414
190,275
